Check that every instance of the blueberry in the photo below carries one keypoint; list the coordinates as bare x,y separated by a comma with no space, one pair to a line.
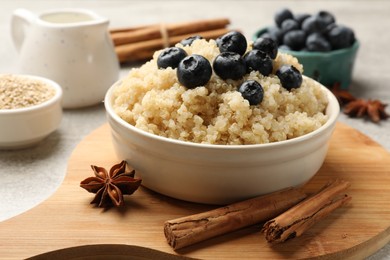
314,24
229,65
267,45
188,41
295,39
194,71
289,77
232,42
317,42
340,37
258,61
300,18
329,28
170,57
282,15
252,91
327,17
275,33
289,25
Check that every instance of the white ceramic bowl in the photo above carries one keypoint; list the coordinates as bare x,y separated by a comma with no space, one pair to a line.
220,174
25,127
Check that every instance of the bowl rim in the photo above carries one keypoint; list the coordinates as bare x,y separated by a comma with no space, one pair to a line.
56,98
311,54
332,101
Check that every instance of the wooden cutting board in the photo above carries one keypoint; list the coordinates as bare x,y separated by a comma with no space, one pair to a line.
67,221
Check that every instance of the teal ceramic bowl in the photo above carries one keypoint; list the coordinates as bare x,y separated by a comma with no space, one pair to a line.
326,67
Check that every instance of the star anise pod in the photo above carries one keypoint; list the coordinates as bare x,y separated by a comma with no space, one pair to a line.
342,95
110,187
374,109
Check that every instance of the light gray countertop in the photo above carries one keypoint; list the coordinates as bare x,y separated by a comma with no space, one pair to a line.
29,176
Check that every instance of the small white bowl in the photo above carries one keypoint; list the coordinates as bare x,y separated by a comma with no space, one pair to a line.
220,174
27,126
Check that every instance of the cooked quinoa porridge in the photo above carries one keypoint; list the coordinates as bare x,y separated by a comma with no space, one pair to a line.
153,100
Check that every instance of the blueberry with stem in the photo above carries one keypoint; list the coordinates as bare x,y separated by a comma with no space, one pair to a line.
232,42
289,77
170,57
229,65
194,71
256,60
252,91
266,45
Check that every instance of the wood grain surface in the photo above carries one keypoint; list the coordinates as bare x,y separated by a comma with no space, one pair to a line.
67,226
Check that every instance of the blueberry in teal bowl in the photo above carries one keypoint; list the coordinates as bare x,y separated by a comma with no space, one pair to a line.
326,49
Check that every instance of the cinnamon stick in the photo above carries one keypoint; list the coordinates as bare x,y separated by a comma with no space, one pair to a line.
130,29
133,51
301,217
192,229
142,34
124,36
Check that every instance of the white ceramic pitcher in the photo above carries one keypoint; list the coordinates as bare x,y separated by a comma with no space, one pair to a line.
69,46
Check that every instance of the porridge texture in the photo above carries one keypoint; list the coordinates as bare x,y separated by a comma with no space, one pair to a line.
153,100
20,92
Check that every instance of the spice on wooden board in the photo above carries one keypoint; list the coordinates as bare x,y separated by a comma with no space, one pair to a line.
295,221
291,214
192,229
110,187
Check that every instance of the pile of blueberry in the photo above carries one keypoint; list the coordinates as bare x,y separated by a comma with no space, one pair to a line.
233,62
305,32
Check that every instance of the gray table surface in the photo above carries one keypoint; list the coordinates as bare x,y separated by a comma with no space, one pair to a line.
28,177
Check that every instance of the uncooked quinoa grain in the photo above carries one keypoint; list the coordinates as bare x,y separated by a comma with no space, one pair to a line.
19,92
153,100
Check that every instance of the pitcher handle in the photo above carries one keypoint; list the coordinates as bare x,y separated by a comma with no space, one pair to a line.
20,21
